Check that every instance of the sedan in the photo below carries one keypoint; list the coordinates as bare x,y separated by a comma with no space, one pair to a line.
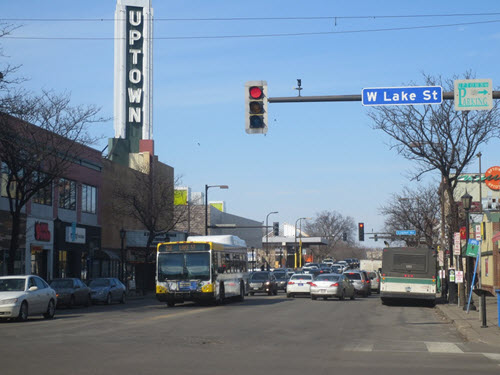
107,290
71,292
23,296
281,279
332,285
263,282
299,284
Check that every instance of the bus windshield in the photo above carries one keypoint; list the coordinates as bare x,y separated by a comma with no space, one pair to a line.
184,266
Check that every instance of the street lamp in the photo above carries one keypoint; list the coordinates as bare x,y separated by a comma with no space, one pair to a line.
466,204
300,249
267,233
206,203
123,232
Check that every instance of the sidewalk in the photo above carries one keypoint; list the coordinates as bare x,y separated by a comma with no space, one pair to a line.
469,325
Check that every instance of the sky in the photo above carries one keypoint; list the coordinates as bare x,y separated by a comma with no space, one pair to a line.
315,156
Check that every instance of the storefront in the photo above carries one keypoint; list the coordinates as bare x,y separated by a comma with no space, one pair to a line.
39,251
75,247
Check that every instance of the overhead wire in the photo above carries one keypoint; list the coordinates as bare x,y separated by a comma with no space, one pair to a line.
264,35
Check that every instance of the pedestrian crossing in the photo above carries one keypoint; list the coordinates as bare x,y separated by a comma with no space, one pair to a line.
431,347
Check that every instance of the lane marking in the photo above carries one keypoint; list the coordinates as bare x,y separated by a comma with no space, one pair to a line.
182,313
360,347
442,347
493,356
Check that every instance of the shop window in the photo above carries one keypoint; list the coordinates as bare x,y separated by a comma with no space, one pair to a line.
89,199
67,194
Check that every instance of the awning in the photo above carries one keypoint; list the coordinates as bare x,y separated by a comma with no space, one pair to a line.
496,237
110,254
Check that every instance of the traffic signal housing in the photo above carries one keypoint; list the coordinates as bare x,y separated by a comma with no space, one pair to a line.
276,228
361,231
256,107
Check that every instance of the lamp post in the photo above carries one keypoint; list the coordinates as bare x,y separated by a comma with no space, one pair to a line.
123,232
295,232
466,203
267,233
206,203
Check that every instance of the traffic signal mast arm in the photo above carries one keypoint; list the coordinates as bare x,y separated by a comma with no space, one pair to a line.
449,95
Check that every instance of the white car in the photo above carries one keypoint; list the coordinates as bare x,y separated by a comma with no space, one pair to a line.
299,283
22,296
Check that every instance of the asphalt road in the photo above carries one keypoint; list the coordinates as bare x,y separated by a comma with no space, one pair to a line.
261,335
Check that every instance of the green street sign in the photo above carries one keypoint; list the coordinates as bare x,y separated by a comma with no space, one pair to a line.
472,248
473,94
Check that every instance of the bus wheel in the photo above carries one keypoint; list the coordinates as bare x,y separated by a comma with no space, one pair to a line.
241,297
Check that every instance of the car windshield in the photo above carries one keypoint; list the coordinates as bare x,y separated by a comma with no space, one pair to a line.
184,266
99,282
61,284
353,276
11,285
301,277
327,278
259,276
280,275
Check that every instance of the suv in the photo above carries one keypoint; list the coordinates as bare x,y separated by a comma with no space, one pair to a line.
263,282
374,277
360,281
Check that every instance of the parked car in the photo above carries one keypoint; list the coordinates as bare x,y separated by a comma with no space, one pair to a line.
299,283
23,296
360,281
71,292
107,290
332,285
374,277
263,282
281,279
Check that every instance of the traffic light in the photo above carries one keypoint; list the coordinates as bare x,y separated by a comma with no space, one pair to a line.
256,107
376,237
361,231
344,237
276,228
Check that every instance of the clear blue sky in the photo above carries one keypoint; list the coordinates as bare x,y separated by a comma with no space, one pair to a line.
315,157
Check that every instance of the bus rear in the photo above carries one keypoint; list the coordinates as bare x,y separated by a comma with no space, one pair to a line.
408,273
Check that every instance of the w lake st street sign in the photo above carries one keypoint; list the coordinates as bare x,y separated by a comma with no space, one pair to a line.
402,95
410,232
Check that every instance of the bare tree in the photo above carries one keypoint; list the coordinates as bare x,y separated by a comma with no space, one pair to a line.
148,198
418,210
438,138
334,226
40,137
7,70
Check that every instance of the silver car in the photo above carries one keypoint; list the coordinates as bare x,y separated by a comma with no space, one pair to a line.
23,296
360,281
375,281
107,290
332,285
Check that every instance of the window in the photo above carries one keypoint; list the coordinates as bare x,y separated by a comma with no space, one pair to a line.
89,196
43,195
67,194
40,283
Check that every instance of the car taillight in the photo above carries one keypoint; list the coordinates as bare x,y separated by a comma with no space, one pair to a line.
336,284
291,283
378,280
312,284
309,282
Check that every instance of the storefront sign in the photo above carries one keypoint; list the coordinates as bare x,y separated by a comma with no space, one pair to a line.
492,178
42,232
75,235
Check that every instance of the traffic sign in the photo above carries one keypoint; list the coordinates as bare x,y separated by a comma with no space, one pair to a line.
406,232
473,94
402,95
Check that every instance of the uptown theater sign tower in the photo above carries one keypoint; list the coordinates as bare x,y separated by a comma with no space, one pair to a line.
133,81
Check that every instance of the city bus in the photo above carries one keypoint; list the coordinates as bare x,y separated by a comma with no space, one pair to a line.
203,269
408,273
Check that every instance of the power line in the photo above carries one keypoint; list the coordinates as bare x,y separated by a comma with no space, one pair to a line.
264,35
252,18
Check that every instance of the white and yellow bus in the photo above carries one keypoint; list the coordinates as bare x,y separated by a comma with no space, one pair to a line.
204,269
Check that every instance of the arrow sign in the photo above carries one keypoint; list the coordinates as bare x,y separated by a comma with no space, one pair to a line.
402,95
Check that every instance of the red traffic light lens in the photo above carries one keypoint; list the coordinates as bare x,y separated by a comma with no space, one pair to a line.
256,92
